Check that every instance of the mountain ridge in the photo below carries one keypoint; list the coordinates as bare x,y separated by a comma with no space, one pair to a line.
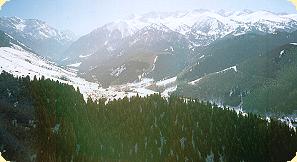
38,35
180,34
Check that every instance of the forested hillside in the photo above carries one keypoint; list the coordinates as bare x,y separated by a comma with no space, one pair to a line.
255,72
66,128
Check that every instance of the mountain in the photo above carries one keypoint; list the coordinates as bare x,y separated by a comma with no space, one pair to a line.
37,35
231,51
20,61
155,52
175,37
254,72
8,41
205,50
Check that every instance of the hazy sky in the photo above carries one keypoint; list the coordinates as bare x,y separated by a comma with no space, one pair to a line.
82,16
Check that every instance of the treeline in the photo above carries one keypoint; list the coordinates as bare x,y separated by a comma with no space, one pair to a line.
149,129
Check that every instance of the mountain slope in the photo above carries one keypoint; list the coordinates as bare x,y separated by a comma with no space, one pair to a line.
204,23
200,26
16,59
155,52
37,35
20,61
262,83
151,128
231,51
165,43
8,41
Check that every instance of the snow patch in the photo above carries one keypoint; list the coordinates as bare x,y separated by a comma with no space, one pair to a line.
154,64
76,65
195,81
281,53
118,71
170,49
168,91
230,68
144,91
201,57
166,82
85,56
110,49
67,58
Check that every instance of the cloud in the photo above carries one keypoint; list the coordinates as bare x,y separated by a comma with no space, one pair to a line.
294,3
2,2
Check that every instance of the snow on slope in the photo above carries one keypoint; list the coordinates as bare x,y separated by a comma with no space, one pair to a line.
118,71
166,82
76,65
154,64
132,89
169,90
33,28
281,54
85,56
22,63
144,88
194,82
227,69
229,21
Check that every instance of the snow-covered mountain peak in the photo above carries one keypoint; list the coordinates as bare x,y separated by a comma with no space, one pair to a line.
157,15
32,28
207,22
259,16
124,27
42,38
157,26
228,13
225,13
195,28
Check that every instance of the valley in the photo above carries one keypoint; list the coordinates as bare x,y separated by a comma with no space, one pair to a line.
152,85
226,57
